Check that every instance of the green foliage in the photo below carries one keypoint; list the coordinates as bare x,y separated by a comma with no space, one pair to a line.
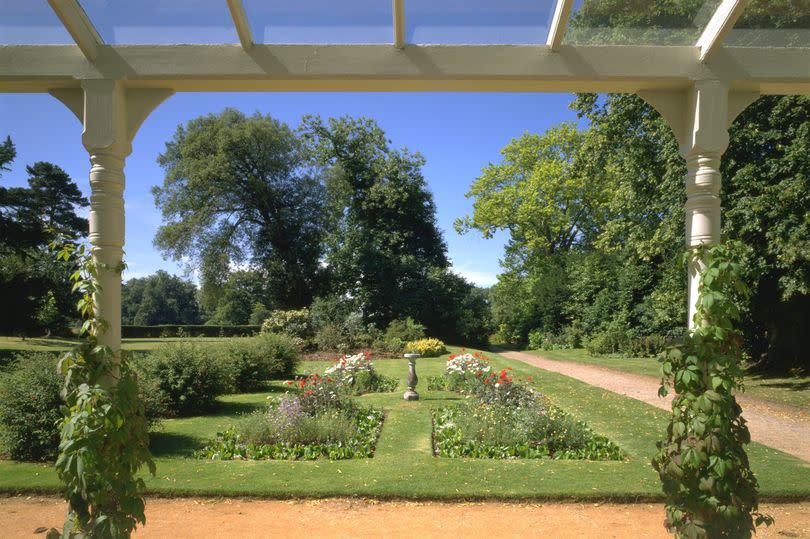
710,488
426,347
398,332
104,431
36,290
231,298
544,192
295,323
243,188
255,360
192,375
159,299
386,236
30,407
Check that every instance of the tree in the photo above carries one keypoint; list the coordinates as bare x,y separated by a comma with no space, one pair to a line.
544,192
37,294
159,299
54,199
766,196
237,300
239,189
551,194
385,240
17,233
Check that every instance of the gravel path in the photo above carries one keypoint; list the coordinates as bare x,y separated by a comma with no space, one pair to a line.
783,427
22,517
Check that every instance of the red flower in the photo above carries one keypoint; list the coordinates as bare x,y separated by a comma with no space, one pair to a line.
529,378
289,382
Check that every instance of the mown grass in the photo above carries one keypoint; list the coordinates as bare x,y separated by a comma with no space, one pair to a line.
792,390
404,466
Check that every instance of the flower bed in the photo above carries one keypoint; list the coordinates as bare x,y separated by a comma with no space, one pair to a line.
505,419
315,419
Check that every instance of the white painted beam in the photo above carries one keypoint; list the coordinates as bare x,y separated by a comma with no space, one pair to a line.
559,22
399,23
240,21
721,23
380,68
77,23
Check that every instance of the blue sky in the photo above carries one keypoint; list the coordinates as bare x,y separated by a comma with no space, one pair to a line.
457,133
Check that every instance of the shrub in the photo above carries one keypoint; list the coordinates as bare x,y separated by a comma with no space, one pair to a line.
254,360
426,347
291,322
30,408
399,332
646,346
569,337
332,338
190,376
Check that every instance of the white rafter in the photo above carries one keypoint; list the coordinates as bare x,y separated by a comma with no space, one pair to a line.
399,23
719,26
376,68
76,22
240,21
562,12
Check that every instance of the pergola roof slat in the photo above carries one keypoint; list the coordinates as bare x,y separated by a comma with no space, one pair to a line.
399,23
559,23
721,23
241,23
78,25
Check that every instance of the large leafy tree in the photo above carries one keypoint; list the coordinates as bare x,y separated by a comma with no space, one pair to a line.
551,192
766,196
241,189
386,240
160,298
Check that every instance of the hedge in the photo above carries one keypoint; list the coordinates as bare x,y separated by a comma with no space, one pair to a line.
185,330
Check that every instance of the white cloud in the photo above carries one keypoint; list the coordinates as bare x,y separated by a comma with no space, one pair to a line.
479,278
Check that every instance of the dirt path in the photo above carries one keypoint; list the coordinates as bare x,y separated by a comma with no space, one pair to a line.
234,518
780,426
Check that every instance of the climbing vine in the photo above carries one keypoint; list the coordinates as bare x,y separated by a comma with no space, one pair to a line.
104,432
709,486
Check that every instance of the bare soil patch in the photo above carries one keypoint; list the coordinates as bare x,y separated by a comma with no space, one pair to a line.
237,518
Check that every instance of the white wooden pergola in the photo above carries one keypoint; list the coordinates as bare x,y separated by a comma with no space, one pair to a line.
699,88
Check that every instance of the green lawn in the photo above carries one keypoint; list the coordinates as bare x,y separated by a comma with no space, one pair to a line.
793,390
404,467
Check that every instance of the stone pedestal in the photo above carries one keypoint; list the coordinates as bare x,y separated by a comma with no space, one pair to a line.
412,380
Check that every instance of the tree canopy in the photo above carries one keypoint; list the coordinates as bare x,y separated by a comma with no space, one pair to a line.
160,298
385,239
36,291
242,189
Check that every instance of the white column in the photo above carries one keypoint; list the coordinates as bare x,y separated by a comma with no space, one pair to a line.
106,139
111,116
706,140
699,118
